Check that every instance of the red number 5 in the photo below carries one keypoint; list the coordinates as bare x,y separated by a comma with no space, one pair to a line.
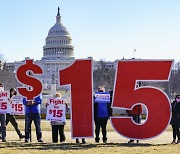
126,96
59,113
4,106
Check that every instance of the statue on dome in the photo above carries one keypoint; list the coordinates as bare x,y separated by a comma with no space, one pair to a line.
58,11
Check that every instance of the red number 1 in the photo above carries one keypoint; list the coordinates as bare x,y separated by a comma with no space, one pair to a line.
79,76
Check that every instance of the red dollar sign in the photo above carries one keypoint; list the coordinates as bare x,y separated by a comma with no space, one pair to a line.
50,111
25,79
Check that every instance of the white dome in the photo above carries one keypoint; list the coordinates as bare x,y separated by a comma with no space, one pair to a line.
58,42
58,29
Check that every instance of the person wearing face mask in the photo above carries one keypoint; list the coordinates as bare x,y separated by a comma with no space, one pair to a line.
3,119
58,126
102,112
1,87
11,118
175,121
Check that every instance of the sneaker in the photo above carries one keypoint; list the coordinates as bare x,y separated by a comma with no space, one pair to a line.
40,140
97,139
21,136
105,141
131,141
54,142
3,140
77,140
178,142
26,140
83,141
173,142
62,141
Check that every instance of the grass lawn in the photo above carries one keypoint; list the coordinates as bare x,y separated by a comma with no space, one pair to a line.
116,143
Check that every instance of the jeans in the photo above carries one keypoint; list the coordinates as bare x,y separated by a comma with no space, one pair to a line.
3,126
37,120
101,123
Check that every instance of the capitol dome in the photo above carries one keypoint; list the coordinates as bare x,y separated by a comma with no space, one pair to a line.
58,42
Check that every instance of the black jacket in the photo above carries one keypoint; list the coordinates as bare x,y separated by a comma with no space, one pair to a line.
175,113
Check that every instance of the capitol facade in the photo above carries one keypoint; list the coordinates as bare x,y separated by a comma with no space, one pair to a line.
58,53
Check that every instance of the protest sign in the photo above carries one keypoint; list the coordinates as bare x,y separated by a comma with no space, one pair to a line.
56,110
16,106
102,97
4,96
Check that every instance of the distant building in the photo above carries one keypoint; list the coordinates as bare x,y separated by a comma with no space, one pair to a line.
58,53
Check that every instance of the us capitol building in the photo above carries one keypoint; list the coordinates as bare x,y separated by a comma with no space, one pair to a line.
58,53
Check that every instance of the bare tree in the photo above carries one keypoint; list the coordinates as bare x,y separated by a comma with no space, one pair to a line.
104,76
174,84
7,78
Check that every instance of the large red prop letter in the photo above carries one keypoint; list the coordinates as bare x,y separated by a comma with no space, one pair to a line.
24,78
79,75
126,96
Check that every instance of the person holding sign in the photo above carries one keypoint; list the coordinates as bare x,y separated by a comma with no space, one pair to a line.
11,118
3,105
32,112
102,111
56,113
175,121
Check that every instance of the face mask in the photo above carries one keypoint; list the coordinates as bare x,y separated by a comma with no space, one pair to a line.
1,88
178,100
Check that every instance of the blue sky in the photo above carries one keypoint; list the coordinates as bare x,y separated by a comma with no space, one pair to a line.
102,29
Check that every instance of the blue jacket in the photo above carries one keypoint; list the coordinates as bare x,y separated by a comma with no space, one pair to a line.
35,108
102,109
